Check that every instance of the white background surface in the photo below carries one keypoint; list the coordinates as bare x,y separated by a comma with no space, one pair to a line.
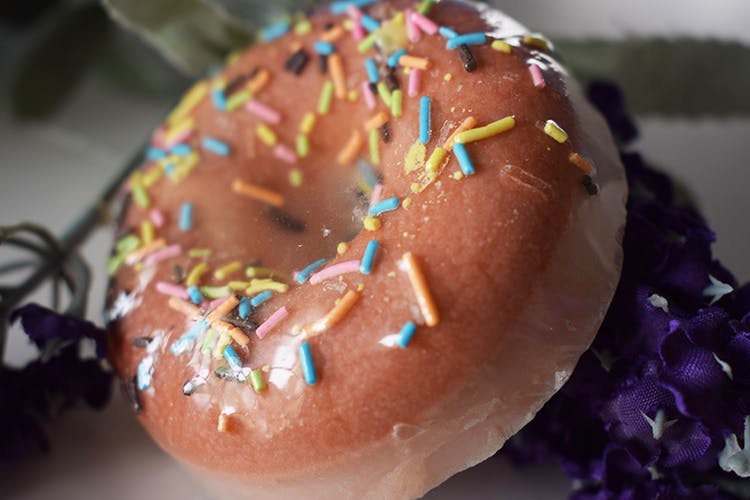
50,171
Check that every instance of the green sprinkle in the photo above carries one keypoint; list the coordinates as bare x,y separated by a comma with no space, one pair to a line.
295,177
238,99
128,244
396,103
303,146
215,292
256,379
140,196
425,6
208,341
374,147
326,95
366,44
199,252
384,93
303,27
115,263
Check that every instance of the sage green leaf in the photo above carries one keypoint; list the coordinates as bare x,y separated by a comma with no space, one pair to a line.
681,77
53,66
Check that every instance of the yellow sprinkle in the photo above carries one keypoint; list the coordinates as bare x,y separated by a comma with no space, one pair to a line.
260,285
232,57
351,149
303,27
296,177
223,272
153,175
554,130
353,95
257,271
147,232
501,46
419,284
336,68
374,147
360,287
259,193
333,316
342,247
448,77
415,187
384,93
458,175
195,275
348,24
396,103
178,128
493,129
371,223
436,159
582,163
199,252
140,196
367,43
238,285
307,123
208,341
326,96
468,124
415,157
224,341
191,99
376,121
238,99
406,203
302,146
332,34
536,40
364,187
266,135
414,62
259,81
184,166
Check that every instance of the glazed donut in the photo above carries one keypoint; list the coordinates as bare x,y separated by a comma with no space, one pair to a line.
365,253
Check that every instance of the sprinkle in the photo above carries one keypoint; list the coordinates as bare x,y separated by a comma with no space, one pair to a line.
536,76
305,273
467,58
325,48
179,132
259,81
302,145
271,322
195,294
260,298
384,93
396,103
144,251
466,39
408,61
446,32
421,290
370,175
261,285
367,44
232,358
436,159
186,216
391,81
323,64
374,147
354,12
554,130
384,206
332,34
372,70
347,155
333,316
215,146
165,253
369,23
274,31
591,187
256,381
308,366
393,59
172,290
415,78
155,154
181,149
371,223
376,121
424,119
140,196
491,130
582,163
238,99
184,307
232,331
536,40
341,6
225,271
501,46
266,135
244,308
147,232
468,124
424,23
334,271
191,99
358,32
406,334
376,192
464,160
326,96
303,27
285,154
195,274
337,74
412,29
256,272
342,247
264,112
369,257
216,292
385,132
297,62
307,123
259,193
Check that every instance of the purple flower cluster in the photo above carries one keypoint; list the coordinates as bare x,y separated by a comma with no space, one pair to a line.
649,407
59,379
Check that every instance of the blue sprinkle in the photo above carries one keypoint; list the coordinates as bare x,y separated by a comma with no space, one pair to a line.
384,206
369,23
340,7
324,48
169,168
464,160
155,154
307,271
244,308
424,119
365,267
467,39
216,146
372,71
235,363
181,149
405,335
186,216
274,31
371,177
447,32
219,99
196,297
185,342
393,60
308,367
144,373
260,298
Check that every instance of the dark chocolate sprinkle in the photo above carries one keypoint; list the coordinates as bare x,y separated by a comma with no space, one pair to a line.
327,26
373,88
391,81
385,132
323,63
131,389
178,274
286,221
297,62
590,185
142,342
467,58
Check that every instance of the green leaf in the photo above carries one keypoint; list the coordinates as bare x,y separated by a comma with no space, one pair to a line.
682,77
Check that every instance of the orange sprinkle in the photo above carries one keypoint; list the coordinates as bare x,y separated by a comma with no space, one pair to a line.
351,150
376,121
421,290
138,255
185,308
467,124
223,309
231,330
259,193
222,425
582,163
332,34
259,81
337,74
334,315
414,62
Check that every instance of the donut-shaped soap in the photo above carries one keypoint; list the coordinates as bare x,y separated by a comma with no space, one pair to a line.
363,254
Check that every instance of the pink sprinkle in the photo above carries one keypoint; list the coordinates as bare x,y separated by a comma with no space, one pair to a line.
181,137
217,302
157,217
411,27
264,112
369,96
415,77
163,254
354,13
271,322
376,192
536,76
172,290
358,32
285,154
157,138
335,270
424,24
